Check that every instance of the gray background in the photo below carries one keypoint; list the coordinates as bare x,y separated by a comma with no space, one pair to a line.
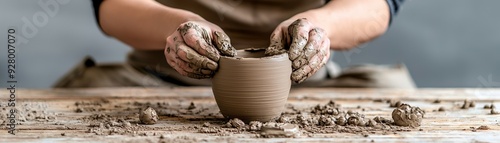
445,43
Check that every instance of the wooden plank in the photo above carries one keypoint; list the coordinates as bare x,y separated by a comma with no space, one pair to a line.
449,126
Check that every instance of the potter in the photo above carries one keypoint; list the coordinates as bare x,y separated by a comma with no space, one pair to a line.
252,86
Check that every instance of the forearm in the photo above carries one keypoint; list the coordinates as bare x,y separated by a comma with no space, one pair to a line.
349,23
141,24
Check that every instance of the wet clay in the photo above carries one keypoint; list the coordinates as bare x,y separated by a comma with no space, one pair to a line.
252,86
193,33
406,115
195,49
307,46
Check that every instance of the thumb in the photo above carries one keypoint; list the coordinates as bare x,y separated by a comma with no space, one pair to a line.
277,43
223,44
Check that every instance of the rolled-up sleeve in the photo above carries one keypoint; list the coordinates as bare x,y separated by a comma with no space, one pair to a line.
394,6
96,4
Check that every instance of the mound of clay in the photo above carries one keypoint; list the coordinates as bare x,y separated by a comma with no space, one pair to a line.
148,116
405,115
235,123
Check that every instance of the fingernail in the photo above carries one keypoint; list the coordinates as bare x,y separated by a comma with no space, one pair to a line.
213,56
216,57
212,66
205,71
295,76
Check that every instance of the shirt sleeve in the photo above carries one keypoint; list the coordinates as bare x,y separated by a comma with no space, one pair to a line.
96,4
394,6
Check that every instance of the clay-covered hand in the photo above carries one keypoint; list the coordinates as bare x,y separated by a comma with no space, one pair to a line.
308,47
195,47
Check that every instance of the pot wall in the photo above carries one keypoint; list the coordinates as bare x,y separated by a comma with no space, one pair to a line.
252,89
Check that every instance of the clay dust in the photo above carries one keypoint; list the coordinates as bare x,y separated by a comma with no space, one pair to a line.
28,111
327,118
319,119
304,122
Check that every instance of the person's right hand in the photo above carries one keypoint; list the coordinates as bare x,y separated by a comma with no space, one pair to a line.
194,49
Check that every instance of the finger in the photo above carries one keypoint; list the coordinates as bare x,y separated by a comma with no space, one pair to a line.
174,61
181,66
170,54
173,64
316,37
192,70
184,71
199,39
303,72
223,44
185,53
316,62
299,32
189,55
277,43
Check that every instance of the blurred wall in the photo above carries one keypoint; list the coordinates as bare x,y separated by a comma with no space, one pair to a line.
69,34
445,43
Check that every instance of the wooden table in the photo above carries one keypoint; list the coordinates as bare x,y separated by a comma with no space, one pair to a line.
452,125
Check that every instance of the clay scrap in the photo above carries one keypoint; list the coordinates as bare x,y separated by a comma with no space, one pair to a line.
273,130
406,115
468,104
148,116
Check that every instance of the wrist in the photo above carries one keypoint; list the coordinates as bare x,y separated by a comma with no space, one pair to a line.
317,17
179,16
190,16
175,17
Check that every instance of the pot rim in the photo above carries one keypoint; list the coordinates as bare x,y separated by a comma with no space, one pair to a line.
279,56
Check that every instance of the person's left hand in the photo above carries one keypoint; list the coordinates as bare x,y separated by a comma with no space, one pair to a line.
308,46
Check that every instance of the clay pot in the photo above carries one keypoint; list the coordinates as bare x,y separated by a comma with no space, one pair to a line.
252,87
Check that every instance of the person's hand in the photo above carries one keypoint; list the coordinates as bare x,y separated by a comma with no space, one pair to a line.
194,49
308,47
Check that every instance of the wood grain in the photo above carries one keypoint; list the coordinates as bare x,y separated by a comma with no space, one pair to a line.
453,125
